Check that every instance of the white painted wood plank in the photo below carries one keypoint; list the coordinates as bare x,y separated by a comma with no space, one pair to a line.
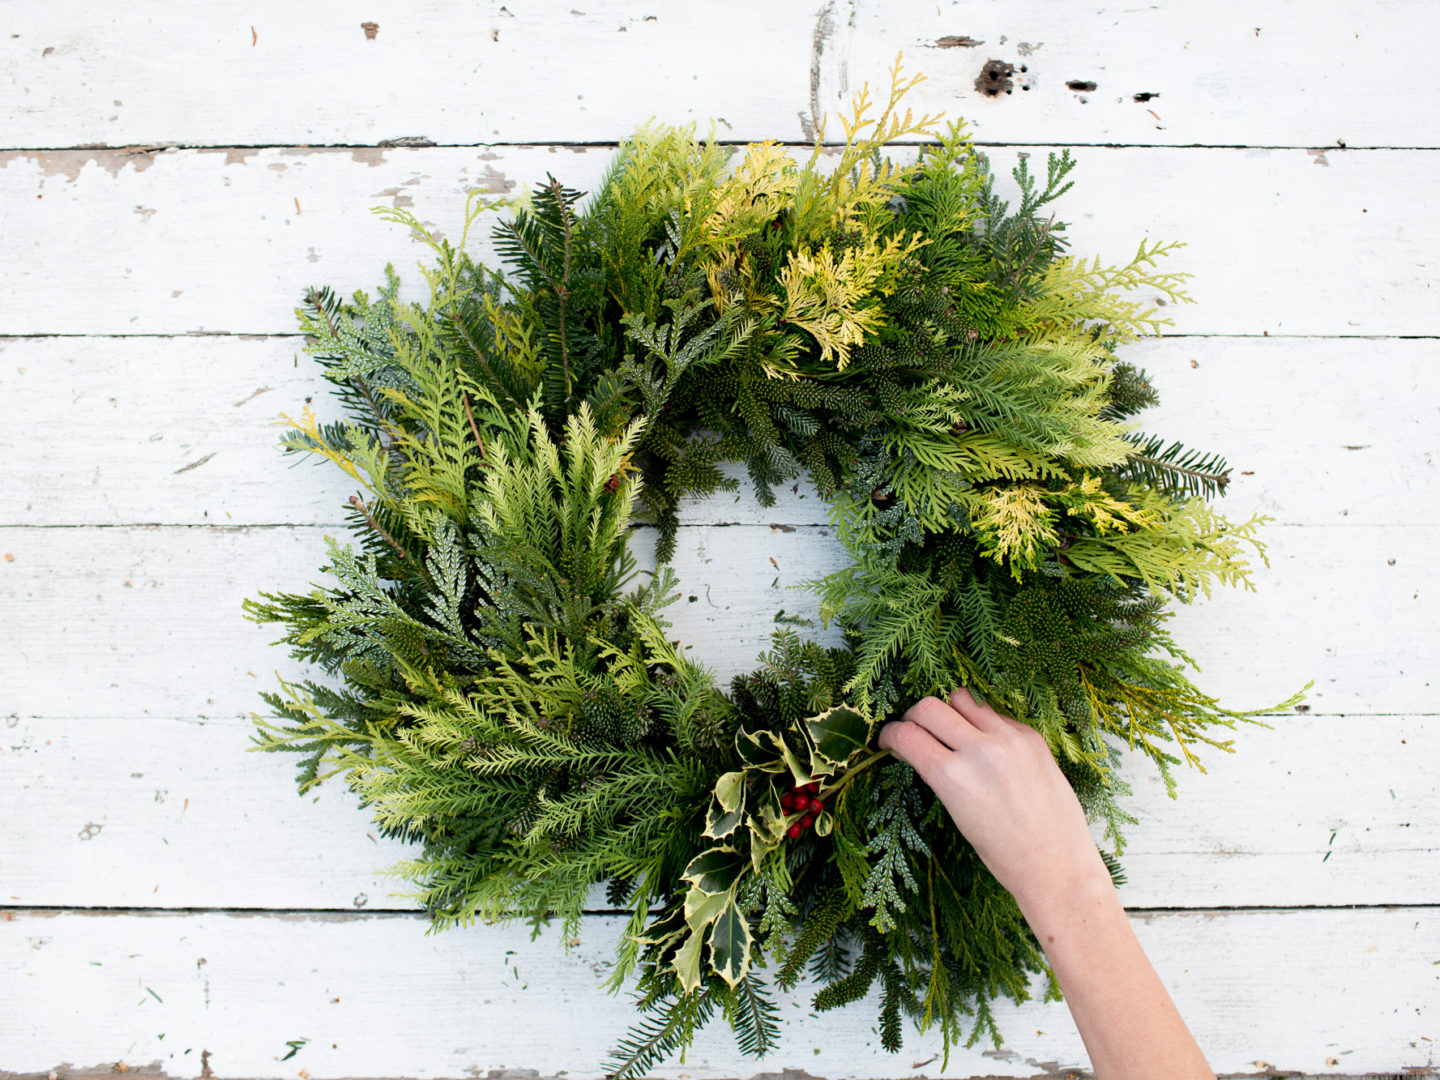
237,216
178,431
178,814
153,622
159,812
129,665
181,241
1268,73
1271,73
272,73
1316,432
373,996
188,430
1312,810
147,621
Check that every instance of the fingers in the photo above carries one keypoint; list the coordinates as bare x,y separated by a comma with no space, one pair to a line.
930,729
941,720
981,716
915,745
986,718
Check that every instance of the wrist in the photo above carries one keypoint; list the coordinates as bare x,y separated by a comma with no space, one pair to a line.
1084,897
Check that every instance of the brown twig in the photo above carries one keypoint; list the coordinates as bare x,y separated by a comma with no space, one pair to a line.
359,504
478,441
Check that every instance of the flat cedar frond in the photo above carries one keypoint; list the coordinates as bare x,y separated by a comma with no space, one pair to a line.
861,180
826,296
1190,549
1016,526
750,199
1076,293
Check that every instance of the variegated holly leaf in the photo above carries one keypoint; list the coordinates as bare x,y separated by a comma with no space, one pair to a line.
766,832
715,870
769,752
663,930
838,734
730,790
730,942
687,962
759,750
701,909
727,809
833,740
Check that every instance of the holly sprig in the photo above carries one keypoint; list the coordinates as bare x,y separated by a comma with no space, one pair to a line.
781,791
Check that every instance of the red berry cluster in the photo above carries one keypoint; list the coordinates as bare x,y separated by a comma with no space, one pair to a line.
801,800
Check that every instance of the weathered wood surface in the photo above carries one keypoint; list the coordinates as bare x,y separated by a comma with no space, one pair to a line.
129,622
174,813
372,996
185,427
141,499
267,72
1282,241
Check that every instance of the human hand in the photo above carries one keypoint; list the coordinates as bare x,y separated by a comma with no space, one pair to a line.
1002,787
1000,783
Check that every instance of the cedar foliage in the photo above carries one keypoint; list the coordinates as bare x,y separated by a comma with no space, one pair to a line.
500,687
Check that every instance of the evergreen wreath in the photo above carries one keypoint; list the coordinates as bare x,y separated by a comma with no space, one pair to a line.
945,375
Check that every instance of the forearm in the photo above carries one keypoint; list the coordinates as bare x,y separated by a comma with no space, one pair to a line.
1131,1028
1000,783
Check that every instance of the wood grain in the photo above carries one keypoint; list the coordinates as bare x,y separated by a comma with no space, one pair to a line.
168,812
374,996
226,240
1260,74
187,436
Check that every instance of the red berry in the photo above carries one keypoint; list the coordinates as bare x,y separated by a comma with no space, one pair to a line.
812,787
787,801
801,801
816,806
793,831
806,820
